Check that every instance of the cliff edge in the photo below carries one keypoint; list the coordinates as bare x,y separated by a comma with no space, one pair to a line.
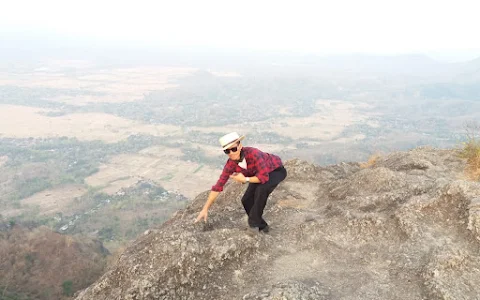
405,226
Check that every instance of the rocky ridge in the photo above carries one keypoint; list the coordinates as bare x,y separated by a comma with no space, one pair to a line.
407,226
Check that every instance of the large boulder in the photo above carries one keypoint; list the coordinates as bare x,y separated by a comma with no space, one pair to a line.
404,227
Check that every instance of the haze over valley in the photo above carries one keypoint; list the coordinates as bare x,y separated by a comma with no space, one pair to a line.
106,134
81,130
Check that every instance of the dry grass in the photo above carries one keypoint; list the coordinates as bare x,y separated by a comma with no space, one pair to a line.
118,85
329,120
471,152
55,200
162,165
371,162
24,122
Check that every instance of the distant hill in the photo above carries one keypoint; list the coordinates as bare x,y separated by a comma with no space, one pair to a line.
402,226
413,64
469,72
42,264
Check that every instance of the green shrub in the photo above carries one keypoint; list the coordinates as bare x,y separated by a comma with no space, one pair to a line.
67,288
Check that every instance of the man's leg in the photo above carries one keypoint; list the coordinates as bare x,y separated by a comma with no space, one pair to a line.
248,197
262,192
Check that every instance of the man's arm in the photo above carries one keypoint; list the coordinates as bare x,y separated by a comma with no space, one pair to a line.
211,198
204,213
242,179
253,179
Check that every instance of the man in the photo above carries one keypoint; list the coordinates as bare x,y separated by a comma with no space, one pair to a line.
263,172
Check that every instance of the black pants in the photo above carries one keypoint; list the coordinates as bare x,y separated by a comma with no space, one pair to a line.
255,197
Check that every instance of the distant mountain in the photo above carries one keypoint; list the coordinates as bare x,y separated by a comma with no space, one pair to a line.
402,64
34,47
474,62
469,72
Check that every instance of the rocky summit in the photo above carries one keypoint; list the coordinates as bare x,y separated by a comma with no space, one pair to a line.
403,226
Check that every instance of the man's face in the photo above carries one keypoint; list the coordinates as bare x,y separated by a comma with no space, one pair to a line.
234,151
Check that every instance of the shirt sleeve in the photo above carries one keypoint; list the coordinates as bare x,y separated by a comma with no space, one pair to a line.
227,171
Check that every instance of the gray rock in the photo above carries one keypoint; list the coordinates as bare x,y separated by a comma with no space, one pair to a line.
406,227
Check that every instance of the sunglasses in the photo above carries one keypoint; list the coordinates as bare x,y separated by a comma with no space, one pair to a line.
234,149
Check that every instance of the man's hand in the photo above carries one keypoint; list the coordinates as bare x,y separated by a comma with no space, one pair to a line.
202,215
238,177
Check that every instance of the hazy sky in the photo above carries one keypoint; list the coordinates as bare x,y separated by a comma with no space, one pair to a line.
335,26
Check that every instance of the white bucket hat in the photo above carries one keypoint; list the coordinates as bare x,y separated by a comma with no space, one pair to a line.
228,140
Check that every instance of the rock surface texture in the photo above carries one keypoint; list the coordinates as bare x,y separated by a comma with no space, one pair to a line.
405,227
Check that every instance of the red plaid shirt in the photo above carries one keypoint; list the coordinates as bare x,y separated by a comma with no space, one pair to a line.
259,164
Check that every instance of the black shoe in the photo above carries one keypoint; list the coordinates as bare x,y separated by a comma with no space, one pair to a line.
265,229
